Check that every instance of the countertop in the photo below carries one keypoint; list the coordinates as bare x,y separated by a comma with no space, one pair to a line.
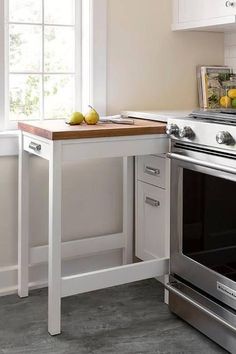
59,130
161,116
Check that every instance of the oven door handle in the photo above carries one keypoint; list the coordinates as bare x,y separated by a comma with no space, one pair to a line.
171,288
206,164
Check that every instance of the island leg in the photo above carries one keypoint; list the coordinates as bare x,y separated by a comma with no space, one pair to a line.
128,209
54,251
23,220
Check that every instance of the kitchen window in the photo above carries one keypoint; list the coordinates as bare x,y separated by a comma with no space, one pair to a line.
52,58
42,59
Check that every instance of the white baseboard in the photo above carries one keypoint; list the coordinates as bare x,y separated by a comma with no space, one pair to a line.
8,280
38,273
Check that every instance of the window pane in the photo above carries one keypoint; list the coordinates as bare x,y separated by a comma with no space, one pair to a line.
25,93
58,96
25,11
59,12
25,48
59,49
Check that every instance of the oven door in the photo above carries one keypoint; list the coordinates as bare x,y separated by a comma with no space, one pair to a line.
203,220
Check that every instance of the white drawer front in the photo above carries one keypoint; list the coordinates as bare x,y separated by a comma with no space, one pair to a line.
151,222
152,169
36,147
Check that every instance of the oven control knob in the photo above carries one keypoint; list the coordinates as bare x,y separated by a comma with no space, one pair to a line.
225,138
186,132
172,129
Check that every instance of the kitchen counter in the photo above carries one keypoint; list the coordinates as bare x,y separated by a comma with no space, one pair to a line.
161,116
59,130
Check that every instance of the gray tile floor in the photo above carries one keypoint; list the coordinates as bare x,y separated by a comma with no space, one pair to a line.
122,320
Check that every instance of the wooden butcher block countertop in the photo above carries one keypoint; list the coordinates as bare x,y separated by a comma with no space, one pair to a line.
59,130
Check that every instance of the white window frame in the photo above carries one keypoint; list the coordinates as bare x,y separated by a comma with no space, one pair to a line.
92,67
2,66
77,73
94,54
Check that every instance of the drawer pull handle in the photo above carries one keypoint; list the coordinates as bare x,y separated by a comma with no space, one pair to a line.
152,171
152,202
35,147
229,3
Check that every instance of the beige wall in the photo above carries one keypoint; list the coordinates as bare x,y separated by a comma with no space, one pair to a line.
92,202
149,67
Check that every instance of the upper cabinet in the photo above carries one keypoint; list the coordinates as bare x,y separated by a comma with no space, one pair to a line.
205,15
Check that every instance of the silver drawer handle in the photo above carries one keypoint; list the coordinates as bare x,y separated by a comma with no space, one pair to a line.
35,147
229,3
152,202
152,171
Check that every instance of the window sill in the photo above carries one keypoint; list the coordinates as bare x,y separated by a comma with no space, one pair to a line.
9,143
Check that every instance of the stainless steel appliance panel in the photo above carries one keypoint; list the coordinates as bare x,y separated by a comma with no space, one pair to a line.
208,317
192,270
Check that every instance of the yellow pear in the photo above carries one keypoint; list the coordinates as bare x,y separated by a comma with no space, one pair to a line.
75,119
225,102
92,117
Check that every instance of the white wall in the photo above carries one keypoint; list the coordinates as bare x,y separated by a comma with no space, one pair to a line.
149,67
230,50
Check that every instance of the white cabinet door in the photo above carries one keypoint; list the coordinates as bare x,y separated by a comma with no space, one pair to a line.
151,222
198,10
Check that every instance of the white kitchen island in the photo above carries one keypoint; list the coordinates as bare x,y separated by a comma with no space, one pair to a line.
58,143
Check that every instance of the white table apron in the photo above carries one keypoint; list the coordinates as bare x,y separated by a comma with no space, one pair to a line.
57,152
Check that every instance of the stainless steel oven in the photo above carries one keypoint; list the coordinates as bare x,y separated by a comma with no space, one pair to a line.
203,222
203,227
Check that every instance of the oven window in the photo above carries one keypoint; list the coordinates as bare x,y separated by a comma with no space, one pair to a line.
209,221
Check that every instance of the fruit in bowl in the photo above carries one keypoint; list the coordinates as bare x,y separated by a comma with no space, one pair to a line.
234,103
228,94
232,93
226,102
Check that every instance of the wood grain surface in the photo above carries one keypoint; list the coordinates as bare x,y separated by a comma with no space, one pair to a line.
59,130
